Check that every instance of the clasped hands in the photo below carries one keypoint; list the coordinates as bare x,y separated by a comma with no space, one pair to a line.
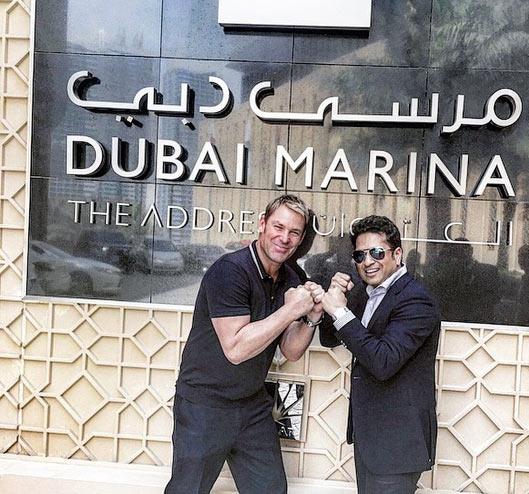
311,299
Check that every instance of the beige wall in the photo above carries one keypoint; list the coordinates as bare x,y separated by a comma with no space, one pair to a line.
95,382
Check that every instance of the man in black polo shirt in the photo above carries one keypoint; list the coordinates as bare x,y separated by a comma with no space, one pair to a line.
248,303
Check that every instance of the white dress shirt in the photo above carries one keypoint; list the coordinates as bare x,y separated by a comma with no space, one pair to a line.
376,295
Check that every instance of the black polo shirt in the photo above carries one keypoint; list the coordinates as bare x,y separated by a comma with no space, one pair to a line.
235,285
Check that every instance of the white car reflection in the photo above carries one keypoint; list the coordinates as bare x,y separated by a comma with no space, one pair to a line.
57,272
166,257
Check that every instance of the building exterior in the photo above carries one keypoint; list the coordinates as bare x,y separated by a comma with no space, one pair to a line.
89,350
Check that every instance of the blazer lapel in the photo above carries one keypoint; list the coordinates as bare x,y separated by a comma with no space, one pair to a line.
388,302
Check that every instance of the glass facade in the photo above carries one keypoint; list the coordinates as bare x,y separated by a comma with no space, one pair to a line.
460,197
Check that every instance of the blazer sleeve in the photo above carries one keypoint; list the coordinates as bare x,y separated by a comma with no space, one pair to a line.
410,323
356,301
328,333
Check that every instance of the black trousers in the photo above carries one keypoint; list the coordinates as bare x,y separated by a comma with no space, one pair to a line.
244,436
373,483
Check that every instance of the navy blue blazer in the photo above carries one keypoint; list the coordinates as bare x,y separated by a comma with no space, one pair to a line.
392,418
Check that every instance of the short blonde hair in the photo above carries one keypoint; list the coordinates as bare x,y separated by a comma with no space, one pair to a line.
292,202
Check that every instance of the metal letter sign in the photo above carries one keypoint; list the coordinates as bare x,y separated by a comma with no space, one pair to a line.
304,14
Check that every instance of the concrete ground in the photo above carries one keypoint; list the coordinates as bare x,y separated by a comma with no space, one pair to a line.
23,474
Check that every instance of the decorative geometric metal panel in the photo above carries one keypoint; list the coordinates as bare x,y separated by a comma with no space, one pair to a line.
96,382
483,398
14,73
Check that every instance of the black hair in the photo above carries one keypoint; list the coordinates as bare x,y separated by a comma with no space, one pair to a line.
376,224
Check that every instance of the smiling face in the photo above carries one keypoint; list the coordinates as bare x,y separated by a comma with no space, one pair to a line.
376,272
279,236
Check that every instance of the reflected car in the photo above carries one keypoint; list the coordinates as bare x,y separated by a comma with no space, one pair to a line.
57,272
199,257
111,247
166,257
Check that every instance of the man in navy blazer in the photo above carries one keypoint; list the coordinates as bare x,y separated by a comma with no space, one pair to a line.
393,336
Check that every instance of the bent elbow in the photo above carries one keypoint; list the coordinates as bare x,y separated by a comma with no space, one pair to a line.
382,376
234,360
233,356
383,373
293,356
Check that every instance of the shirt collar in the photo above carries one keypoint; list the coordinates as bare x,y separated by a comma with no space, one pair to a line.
260,267
384,286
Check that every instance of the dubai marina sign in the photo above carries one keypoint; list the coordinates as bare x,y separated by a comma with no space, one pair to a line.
87,157
170,167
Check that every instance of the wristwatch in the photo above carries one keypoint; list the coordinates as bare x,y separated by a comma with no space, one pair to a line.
341,311
310,323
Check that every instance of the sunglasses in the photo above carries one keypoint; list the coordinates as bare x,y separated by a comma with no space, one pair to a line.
376,253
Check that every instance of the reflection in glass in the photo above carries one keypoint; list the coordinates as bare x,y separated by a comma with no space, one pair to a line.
485,34
163,258
465,289
166,257
522,313
396,38
480,144
203,223
52,271
111,247
357,149
199,257
98,26
238,126
191,30
80,249
474,278
55,116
